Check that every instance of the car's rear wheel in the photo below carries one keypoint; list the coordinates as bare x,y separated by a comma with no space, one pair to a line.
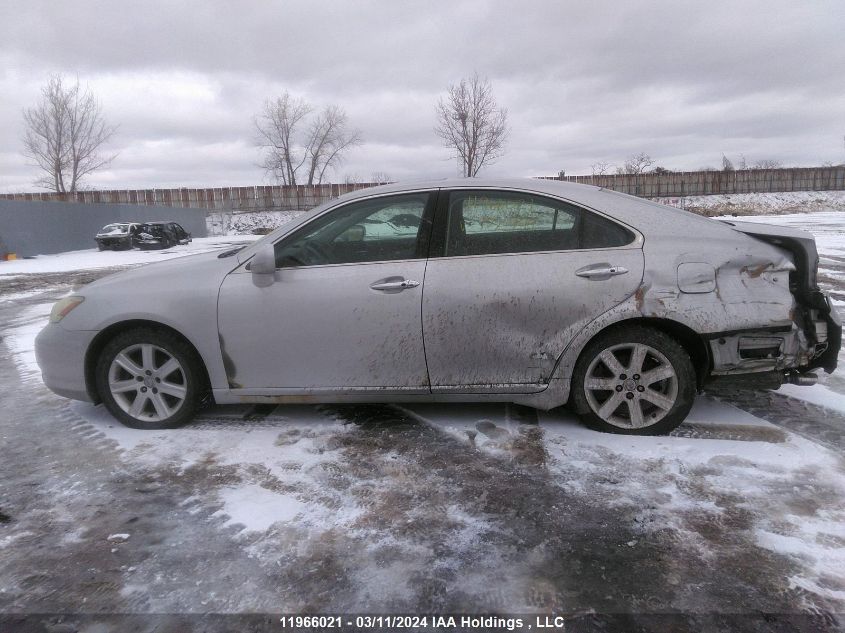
634,380
149,379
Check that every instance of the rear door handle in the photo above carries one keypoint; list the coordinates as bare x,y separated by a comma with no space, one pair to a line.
600,271
391,284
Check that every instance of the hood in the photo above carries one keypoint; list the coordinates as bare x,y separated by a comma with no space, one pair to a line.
156,274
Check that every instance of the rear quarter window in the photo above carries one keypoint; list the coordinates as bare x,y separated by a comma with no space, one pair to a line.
599,232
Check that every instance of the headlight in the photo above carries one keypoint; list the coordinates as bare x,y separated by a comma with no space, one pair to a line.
63,307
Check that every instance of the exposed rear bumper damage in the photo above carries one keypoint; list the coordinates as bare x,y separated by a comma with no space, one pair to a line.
815,337
773,356
827,325
760,350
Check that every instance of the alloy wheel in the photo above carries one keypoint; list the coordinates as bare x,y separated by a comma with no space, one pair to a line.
147,382
631,385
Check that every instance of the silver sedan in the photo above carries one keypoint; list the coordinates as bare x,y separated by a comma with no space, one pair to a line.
529,291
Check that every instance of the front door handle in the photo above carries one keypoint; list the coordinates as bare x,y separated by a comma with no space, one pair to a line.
600,271
393,284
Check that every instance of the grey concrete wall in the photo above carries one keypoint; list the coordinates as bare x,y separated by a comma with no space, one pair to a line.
42,228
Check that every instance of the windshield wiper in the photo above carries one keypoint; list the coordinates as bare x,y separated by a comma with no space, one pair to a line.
231,252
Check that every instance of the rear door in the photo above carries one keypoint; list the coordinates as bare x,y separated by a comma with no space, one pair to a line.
512,277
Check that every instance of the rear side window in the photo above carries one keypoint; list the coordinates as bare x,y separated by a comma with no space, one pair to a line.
493,222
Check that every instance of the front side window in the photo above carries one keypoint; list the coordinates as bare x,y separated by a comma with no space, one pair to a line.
493,222
379,229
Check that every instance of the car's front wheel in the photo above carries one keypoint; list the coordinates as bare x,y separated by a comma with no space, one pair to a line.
149,379
634,380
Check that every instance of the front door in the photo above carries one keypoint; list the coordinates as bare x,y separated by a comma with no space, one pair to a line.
512,278
344,312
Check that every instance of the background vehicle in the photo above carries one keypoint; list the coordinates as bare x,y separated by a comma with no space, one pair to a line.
154,235
535,292
118,236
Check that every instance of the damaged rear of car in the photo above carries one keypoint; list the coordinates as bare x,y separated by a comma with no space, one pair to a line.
803,332
815,334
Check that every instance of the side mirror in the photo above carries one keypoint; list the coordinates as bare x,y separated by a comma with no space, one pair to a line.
263,266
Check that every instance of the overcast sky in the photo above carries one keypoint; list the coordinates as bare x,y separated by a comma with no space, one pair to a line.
582,81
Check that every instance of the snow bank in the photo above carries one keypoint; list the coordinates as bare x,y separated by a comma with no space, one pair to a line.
760,203
248,223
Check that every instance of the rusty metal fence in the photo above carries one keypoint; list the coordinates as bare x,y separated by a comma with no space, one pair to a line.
238,199
703,183
301,197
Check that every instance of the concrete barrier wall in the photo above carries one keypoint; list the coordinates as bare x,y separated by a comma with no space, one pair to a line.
41,228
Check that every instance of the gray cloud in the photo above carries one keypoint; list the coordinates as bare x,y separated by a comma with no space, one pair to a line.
582,81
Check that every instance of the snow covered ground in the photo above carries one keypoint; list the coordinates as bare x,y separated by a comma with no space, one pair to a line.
420,507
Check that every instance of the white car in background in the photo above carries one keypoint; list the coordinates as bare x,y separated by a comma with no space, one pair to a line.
117,236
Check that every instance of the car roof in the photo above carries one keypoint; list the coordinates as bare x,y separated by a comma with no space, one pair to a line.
643,214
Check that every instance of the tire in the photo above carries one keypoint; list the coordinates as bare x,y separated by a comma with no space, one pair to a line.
615,397
133,365
100,246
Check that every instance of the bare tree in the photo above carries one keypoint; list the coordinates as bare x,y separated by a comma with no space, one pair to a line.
64,134
743,164
637,163
295,140
727,165
380,178
470,122
600,168
768,163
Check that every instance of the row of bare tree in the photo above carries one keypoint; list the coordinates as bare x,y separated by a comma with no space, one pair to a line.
66,133
642,163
